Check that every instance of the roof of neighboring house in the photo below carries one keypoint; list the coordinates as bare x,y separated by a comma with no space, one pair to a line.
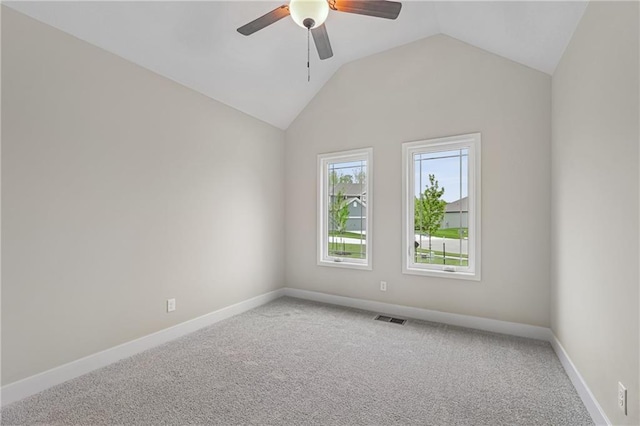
348,189
456,206
357,200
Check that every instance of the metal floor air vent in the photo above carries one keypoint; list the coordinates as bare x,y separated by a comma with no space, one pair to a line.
386,318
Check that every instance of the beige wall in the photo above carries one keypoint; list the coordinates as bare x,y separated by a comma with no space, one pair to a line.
121,189
595,180
433,87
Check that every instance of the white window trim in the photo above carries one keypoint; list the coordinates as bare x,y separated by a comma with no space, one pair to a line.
471,141
322,217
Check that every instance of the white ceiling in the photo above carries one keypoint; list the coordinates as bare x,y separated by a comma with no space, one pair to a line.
264,75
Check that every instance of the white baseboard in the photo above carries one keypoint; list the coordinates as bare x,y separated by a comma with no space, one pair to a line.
504,327
486,324
590,402
39,382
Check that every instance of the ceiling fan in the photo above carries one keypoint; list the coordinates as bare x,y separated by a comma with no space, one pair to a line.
311,14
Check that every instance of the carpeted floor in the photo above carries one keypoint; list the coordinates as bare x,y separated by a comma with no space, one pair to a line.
295,362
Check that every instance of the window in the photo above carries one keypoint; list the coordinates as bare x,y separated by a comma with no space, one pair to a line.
441,207
345,206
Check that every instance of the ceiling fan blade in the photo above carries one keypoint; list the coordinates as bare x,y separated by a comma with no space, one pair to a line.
264,21
377,8
321,39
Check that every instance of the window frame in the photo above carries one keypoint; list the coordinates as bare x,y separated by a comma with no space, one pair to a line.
472,142
323,258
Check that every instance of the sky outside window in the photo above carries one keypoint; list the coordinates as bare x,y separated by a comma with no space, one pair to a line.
447,167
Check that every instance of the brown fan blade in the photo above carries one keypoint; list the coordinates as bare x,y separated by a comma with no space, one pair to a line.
321,39
377,8
264,21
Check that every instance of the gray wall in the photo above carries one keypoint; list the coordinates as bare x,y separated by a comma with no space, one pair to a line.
121,189
452,220
430,88
357,217
595,152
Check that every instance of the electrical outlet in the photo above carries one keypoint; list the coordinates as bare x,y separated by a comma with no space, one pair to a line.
383,286
622,398
171,305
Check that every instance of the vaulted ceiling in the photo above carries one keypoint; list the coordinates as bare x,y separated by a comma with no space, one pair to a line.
265,74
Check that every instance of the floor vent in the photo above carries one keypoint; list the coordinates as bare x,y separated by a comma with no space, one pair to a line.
390,319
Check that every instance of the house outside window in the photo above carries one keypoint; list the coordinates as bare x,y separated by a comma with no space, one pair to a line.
345,207
441,207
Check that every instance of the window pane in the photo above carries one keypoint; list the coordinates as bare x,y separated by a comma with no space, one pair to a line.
440,217
347,209
441,207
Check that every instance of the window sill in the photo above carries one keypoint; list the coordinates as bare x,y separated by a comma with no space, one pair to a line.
468,276
345,264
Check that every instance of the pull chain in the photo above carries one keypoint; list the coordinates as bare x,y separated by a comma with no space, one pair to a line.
308,67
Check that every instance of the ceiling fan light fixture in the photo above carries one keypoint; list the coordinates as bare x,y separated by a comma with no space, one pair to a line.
302,10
